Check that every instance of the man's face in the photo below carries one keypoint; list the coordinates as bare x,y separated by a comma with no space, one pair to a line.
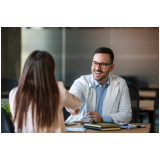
101,75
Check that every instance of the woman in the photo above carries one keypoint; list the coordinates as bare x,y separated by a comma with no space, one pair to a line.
36,104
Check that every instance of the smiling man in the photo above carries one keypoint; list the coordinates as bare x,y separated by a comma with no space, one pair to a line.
104,96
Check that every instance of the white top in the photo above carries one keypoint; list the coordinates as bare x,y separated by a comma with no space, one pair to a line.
66,99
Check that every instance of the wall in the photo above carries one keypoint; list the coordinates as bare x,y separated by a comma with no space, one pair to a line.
136,51
47,39
10,52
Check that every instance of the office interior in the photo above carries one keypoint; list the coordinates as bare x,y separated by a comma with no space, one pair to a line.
136,51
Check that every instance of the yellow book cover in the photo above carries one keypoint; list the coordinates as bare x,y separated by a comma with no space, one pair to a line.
102,125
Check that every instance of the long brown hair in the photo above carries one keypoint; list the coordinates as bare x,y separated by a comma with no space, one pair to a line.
37,88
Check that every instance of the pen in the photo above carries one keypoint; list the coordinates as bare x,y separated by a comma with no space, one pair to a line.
141,126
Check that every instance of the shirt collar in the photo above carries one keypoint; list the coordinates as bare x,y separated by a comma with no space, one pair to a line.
96,84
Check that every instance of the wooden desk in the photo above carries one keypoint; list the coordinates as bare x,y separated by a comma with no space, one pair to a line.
5,93
147,94
5,100
146,105
153,86
134,130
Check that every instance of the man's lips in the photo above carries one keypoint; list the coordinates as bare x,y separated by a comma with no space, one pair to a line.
97,73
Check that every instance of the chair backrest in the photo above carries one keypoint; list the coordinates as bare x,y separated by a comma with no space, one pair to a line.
132,80
7,85
134,97
66,114
6,123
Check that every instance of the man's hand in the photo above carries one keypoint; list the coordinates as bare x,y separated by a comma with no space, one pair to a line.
73,112
94,116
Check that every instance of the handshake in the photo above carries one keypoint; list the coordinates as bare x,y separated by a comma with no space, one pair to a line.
73,112
94,116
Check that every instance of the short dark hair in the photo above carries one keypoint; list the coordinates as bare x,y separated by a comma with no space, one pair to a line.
105,51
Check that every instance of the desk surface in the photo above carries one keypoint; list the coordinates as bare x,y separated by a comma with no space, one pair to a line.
5,100
135,130
147,94
153,86
146,105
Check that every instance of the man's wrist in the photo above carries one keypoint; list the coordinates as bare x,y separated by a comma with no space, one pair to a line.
107,119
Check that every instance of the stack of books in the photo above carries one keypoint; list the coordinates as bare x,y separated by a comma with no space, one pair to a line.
102,126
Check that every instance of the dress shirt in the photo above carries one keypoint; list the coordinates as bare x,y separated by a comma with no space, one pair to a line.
100,95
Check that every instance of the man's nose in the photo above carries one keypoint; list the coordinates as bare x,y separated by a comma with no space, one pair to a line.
98,67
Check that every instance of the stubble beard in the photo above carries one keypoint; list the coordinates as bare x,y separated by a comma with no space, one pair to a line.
101,78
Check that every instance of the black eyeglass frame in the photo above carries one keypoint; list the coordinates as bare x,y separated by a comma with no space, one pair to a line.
100,64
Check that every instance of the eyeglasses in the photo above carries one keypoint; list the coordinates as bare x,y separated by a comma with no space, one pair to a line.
101,65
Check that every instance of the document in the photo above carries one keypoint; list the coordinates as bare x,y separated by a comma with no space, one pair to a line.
75,129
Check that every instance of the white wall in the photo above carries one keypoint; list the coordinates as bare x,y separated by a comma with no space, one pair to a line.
49,40
136,50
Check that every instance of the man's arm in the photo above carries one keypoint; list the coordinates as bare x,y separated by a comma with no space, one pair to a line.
124,113
94,116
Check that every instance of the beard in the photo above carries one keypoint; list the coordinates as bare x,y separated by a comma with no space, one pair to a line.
100,76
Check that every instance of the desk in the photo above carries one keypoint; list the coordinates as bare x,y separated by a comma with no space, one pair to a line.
147,94
5,93
134,130
153,86
5,100
146,105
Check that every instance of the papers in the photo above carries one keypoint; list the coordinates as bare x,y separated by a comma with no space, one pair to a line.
75,129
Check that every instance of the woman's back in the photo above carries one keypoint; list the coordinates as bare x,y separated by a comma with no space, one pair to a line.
37,102
66,99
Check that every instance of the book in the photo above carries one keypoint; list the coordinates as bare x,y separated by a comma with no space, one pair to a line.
102,129
102,125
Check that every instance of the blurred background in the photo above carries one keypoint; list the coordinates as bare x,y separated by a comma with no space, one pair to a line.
136,51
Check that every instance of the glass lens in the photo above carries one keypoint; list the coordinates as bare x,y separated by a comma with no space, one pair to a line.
103,65
94,64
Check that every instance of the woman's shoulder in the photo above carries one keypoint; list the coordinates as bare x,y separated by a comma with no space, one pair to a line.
13,91
61,87
12,95
60,84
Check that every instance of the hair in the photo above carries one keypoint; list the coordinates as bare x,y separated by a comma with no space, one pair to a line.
37,88
105,51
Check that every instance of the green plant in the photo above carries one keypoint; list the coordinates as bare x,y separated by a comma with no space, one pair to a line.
6,108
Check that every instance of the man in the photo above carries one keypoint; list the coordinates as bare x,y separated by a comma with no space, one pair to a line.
104,96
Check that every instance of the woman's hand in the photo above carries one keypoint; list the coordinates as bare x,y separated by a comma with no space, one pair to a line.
73,112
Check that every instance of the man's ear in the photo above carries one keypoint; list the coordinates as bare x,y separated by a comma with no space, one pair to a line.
111,67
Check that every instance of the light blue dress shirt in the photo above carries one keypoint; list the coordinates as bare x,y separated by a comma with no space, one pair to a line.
100,95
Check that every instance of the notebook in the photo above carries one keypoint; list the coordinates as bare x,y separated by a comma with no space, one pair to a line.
102,129
102,125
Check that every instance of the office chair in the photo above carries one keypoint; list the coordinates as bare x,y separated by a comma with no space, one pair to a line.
134,97
7,85
132,80
6,123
